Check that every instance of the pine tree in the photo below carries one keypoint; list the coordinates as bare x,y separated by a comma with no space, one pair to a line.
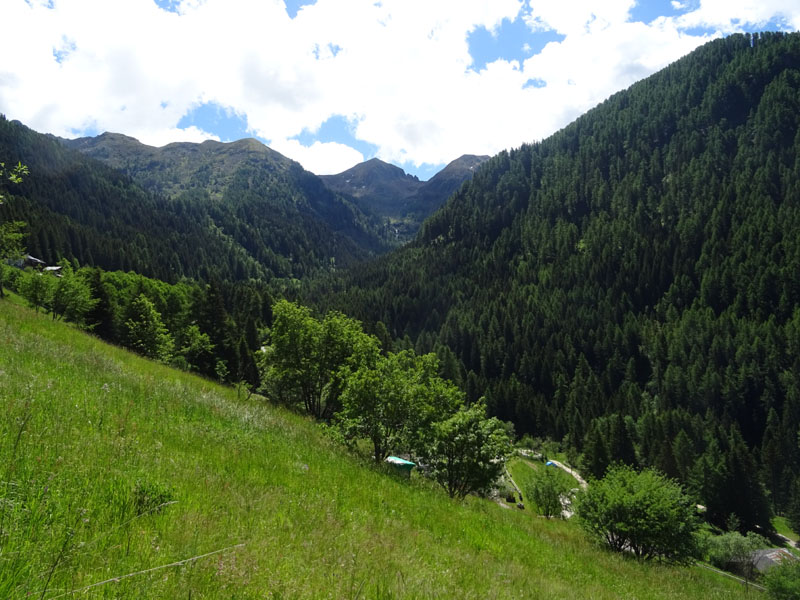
595,458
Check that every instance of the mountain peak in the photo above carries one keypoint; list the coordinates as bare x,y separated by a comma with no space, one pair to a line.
390,193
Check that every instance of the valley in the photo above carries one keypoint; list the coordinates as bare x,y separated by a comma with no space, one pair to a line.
621,296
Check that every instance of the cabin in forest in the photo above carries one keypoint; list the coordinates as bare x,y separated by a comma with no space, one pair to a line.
31,262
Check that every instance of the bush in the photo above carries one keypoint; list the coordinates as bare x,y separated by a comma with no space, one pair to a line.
734,552
641,512
783,581
507,491
466,452
546,490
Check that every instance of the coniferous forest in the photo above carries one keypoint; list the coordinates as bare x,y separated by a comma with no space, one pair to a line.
263,217
628,287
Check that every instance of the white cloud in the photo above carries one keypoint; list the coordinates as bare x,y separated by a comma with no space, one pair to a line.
586,67
398,69
729,16
162,137
578,16
322,158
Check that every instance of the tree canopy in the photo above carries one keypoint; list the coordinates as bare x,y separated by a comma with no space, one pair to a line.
392,400
304,362
466,452
642,512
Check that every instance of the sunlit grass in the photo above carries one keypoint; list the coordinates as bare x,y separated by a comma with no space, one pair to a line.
112,466
782,527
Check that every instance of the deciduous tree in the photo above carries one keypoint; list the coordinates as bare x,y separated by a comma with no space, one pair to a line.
36,287
390,401
72,296
145,332
467,451
641,512
11,232
547,490
304,361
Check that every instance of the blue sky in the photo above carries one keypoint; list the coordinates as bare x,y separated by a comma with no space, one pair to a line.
331,83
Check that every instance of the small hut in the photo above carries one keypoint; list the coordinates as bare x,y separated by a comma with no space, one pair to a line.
400,464
764,560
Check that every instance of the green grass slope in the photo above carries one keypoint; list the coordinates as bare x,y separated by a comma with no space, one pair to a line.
119,478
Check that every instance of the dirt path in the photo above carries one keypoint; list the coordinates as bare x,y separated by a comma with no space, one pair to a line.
581,481
514,483
566,501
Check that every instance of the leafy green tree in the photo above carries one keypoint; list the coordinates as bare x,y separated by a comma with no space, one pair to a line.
11,248
13,174
388,402
194,347
733,551
72,296
145,333
11,232
466,452
641,512
304,363
783,582
36,287
547,489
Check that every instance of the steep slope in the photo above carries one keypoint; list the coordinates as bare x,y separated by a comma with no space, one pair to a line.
78,208
401,200
642,262
232,211
123,478
263,200
378,185
435,192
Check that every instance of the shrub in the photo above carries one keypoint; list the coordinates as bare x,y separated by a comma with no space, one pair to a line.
506,491
641,512
783,581
546,490
734,552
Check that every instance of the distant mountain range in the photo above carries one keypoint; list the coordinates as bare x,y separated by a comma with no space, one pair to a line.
235,210
177,167
400,199
393,201
230,211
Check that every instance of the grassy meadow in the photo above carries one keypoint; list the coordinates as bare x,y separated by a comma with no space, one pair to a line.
122,478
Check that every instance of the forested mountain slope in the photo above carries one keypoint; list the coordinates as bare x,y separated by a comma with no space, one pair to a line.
233,211
400,199
375,184
630,284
